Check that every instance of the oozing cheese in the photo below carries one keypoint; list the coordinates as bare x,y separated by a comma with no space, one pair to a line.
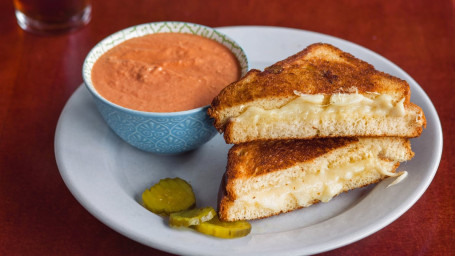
319,107
322,186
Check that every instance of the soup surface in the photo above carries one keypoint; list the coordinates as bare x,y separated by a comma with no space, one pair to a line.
164,72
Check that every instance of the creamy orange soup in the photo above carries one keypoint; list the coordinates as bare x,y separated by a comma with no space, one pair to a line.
164,72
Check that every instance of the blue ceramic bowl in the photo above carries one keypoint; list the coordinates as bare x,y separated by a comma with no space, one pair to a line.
163,133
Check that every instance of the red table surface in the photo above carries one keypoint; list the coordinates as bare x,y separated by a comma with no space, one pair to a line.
38,214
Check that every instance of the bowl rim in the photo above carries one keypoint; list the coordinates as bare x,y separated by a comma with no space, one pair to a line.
86,66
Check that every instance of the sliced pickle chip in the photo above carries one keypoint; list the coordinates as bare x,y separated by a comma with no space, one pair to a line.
169,195
191,217
221,229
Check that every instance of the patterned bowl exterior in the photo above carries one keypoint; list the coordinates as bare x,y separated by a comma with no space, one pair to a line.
163,133
159,134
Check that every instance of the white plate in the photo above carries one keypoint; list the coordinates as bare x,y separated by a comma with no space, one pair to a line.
107,176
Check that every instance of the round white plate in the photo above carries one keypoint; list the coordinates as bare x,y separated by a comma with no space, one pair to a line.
107,176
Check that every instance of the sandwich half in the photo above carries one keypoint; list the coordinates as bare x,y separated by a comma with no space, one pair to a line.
318,92
265,178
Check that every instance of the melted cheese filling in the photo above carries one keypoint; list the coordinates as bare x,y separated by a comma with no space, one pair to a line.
318,107
322,186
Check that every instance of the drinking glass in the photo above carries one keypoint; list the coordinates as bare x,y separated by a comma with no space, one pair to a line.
52,16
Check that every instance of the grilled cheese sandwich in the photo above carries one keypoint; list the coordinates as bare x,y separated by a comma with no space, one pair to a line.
318,92
265,178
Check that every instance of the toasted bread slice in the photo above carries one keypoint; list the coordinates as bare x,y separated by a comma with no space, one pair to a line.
318,92
265,178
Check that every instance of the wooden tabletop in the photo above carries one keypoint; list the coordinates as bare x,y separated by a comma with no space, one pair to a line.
38,74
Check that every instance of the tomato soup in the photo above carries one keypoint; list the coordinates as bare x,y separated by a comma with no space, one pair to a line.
164,72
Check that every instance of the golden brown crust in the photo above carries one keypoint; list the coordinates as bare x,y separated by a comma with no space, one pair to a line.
261,157
222,195
424,119
318,69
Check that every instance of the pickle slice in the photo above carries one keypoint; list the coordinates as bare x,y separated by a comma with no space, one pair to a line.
191,217
221,229
169,195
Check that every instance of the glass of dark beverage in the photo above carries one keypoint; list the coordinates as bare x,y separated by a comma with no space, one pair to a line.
52,16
